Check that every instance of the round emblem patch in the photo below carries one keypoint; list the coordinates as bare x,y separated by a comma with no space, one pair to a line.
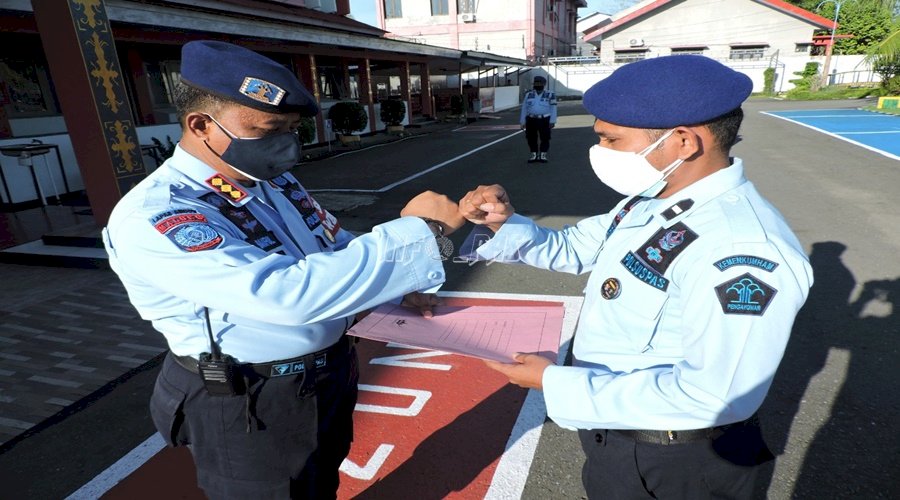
610,289
195,237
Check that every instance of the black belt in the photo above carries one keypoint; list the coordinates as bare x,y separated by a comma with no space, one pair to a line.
284,367
539,116
685,436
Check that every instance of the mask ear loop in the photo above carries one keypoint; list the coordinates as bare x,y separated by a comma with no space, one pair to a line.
648,149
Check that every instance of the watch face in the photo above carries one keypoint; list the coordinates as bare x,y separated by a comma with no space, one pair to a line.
445,247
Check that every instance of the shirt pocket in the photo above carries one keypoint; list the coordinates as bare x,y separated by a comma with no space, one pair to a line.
636,313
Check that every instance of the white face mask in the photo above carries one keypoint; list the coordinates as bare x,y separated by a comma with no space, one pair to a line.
630,173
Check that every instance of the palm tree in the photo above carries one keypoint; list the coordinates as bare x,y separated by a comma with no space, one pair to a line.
890,46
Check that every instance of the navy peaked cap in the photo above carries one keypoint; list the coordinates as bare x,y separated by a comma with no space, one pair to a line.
665,92
539,79
244,77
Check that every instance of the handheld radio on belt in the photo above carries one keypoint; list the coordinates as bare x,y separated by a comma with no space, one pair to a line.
216,369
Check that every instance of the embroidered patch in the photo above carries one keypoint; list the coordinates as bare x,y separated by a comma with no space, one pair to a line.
662,248
677,209
195,237
745,294
745,260
220,184
610,289
262,91
165,221
644,272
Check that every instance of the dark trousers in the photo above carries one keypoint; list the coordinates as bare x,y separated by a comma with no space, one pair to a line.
618,467
284,438
535,127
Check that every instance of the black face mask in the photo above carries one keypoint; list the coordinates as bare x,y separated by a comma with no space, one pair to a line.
538,88
263,158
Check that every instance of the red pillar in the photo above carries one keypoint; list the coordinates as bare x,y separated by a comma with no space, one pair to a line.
365,91
309,76
425,81
82,56
405,93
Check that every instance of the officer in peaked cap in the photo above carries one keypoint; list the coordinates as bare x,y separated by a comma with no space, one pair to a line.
696,280
246,276
537,117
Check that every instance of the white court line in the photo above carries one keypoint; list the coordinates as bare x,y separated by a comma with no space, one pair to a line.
869,133
827,116
512,470
851,141
420,174
118,471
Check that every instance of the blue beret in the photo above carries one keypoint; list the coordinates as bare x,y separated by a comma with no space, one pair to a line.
665,92
539,79
244,77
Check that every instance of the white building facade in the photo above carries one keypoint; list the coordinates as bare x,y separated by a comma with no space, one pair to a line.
532,30
737,30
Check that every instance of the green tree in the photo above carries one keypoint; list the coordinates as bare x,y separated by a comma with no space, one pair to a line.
869,21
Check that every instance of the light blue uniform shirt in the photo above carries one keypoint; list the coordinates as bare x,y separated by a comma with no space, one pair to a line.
693,346
538,104
179,245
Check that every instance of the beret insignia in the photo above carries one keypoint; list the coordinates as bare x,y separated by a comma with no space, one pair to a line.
262,91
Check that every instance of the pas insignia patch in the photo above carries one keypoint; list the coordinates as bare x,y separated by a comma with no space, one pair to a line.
745,294
611,289
662,248
745,260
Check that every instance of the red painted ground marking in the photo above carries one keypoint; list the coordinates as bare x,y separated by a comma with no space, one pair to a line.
450,449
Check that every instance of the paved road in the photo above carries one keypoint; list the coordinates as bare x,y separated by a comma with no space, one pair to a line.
830,416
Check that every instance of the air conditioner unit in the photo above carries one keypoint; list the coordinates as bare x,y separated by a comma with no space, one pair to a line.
468,17
636,42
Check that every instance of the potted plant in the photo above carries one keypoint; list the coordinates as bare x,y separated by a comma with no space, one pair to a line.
306,131
393,111
346,118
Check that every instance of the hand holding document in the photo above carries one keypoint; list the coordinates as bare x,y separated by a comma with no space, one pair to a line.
482,331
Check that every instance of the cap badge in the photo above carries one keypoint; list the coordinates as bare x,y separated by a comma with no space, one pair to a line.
262,91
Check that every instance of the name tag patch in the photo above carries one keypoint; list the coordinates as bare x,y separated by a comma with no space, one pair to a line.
745,294
745,260
643,272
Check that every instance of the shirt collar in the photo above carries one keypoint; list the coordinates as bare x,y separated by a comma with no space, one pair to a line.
210,179
670,210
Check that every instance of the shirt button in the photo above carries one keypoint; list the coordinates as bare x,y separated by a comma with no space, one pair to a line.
434,275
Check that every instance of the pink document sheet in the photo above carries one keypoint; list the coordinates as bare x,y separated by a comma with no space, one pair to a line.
487,332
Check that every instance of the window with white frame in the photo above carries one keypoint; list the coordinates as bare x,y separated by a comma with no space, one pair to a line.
440,7
747,52
393,8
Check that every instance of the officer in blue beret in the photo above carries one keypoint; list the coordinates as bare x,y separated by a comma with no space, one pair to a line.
254,284
537,117
695,283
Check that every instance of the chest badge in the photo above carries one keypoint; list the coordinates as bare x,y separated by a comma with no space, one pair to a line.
610,289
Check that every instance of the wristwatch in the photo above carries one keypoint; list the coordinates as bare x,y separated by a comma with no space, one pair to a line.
445,246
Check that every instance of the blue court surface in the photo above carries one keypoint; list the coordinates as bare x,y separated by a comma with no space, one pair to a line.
873,131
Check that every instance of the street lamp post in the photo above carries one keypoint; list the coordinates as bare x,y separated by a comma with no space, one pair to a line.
830,47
